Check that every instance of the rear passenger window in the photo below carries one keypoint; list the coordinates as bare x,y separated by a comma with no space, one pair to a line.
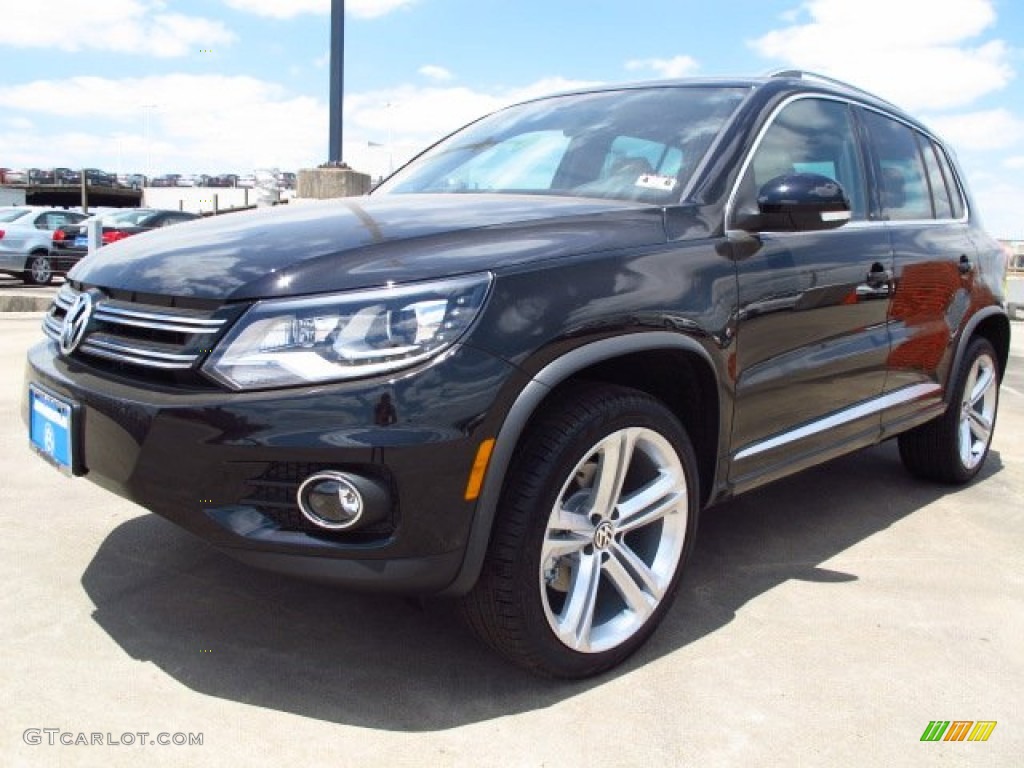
808,136
940,192
956,198
902,183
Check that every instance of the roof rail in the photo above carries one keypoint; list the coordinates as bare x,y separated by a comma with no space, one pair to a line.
802,74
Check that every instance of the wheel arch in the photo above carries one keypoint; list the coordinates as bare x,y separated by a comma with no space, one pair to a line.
993,324
669,366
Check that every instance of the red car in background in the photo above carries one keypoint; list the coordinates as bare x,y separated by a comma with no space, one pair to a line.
70,243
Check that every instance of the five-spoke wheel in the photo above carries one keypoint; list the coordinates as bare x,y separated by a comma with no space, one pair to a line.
953,447
597,518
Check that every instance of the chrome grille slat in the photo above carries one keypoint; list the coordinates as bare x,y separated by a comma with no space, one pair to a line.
93,349
177,322
52,327
156,351
139,335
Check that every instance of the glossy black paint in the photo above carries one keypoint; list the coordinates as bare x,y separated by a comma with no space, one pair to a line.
745,333
808,320
364,242
801,202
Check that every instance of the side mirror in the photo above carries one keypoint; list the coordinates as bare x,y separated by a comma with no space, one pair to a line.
800,202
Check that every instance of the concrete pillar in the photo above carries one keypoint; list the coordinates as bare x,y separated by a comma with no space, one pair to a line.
324,183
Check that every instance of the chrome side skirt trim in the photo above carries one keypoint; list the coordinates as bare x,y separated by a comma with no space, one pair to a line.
867,408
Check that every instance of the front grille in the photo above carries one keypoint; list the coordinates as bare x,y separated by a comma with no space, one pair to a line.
139,335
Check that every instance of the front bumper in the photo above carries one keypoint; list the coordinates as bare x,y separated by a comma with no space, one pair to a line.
226,466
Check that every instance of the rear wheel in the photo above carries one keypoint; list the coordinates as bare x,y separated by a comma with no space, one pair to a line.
39,270
597,518
952,448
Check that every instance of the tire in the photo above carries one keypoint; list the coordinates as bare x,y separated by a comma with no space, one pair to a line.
952,448
38,270
578,573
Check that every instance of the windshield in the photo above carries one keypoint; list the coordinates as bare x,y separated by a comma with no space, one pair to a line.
631,144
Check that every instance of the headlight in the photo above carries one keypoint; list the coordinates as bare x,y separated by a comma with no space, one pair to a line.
290,342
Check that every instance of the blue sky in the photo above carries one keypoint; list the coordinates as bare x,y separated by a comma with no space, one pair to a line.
219,86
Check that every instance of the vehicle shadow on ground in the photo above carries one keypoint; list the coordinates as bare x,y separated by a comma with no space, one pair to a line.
225,630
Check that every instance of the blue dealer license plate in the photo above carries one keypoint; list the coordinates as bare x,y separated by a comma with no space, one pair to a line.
51,428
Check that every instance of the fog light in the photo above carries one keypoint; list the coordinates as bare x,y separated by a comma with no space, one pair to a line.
330,500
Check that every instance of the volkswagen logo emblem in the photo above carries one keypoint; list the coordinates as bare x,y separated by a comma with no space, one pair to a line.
75,323
603,535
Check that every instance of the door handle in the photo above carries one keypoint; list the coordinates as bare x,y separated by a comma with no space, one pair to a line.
965,265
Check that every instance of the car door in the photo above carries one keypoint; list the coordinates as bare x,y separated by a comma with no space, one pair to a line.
934,261
811,337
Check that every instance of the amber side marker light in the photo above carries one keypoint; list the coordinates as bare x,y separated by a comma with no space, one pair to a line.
476,475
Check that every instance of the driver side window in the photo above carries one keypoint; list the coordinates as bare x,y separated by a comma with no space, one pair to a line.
808,136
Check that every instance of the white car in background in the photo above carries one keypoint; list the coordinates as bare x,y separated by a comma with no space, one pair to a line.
25,238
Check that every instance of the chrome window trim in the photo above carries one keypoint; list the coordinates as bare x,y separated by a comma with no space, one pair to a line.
730,205
867,408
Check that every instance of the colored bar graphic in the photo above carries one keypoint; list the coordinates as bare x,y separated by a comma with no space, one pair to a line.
960,730
982,730
935,730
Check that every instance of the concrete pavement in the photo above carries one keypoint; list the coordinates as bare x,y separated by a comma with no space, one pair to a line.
825,620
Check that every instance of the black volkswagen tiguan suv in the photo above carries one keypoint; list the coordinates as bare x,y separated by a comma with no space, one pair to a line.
518,371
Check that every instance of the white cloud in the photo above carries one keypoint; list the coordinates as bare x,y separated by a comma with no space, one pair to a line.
985,130
214,124
998,201
435,72
122,26
183,123
917,53
1015,162
677,66
287,9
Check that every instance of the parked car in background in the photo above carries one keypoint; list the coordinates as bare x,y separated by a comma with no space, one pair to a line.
520,370
66,176
15,176
25,237
97,178
132,180
69,244
40,176
224,180
167,180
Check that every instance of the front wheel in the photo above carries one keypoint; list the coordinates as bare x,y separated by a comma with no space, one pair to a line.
952,448
596,521
39,270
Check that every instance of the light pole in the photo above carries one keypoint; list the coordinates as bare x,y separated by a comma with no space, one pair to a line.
337,80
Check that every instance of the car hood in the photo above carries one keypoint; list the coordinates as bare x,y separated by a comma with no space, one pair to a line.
363,242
